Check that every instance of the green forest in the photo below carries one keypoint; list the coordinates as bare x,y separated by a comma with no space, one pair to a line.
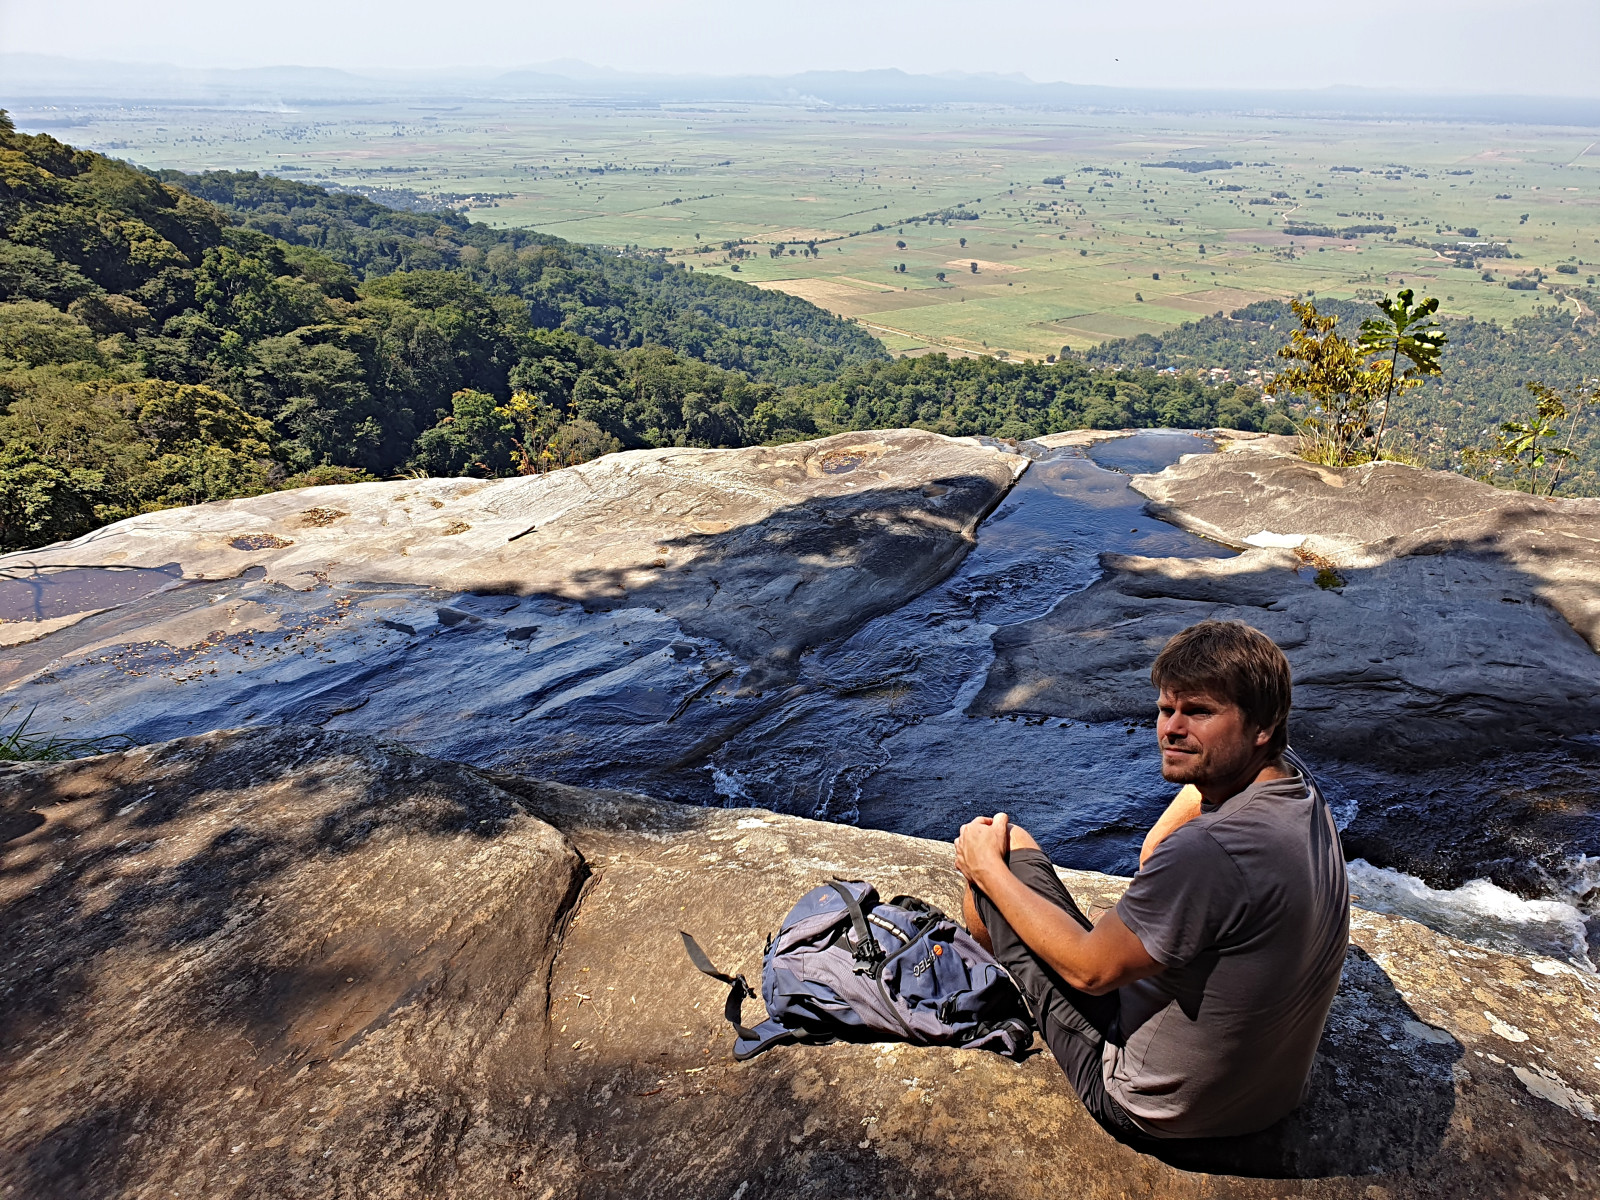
170,339
618,300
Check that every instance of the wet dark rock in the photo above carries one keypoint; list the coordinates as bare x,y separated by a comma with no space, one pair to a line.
296,963
1526,822
1413,662
626,692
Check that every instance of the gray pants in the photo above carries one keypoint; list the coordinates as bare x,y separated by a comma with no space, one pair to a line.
1075,1025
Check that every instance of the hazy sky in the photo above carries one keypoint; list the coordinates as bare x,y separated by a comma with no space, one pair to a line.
1497,46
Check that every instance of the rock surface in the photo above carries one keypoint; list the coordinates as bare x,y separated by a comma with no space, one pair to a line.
1361,517
626,696
1439,679
1420,628
1442,637
655,613
286,963
766,549
1413,662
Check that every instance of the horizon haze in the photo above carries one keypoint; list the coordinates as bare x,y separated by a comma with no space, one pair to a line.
1481,47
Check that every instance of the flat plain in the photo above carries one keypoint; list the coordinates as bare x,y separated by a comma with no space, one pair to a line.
936,228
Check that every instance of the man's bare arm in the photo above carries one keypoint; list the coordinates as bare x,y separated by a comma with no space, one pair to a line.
1184,808
1096,961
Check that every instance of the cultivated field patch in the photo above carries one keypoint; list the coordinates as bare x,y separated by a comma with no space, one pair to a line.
985,266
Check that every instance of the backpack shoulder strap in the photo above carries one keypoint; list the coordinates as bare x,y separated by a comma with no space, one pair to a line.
866,951
768,1033
748,1042
738,989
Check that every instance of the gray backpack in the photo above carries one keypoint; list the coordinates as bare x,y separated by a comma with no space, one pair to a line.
845,966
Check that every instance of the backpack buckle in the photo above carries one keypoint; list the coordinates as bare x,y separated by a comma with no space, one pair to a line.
869,954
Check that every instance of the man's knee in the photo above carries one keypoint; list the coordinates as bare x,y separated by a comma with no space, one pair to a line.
1021,839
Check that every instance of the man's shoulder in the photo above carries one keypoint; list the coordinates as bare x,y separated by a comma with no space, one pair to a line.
1192,843
1291,781
1297,767
1187,892
1265,826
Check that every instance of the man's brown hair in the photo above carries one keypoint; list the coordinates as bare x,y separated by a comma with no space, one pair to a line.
1234,662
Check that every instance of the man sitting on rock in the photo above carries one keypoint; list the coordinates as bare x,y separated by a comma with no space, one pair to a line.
1194,1008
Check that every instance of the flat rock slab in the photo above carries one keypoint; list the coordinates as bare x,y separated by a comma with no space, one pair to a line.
608,622
1369,515
767,549
295,963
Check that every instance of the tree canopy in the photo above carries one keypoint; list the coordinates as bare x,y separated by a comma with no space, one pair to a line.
619,299
1483,385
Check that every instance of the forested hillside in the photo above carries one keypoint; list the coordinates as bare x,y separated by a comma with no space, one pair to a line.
1019,400
1485,368
619,300
168,339
156,349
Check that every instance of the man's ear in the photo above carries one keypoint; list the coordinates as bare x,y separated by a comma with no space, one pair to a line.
1263,736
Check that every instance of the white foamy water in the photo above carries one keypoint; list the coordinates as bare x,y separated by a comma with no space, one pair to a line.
1477,911
1580,879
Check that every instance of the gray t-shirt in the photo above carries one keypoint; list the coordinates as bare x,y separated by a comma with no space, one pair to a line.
1248,908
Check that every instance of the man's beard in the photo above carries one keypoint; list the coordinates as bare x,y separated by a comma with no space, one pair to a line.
1189,768
1205,764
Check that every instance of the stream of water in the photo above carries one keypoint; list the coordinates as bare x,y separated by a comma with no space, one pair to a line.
883,738
27,594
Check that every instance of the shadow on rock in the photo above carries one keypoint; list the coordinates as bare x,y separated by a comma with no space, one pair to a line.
1380,1101
804,574
1417,662
150,851
207,941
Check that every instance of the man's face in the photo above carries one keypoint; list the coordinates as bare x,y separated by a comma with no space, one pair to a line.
1204,738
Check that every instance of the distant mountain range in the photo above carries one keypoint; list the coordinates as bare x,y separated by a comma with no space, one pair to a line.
44,79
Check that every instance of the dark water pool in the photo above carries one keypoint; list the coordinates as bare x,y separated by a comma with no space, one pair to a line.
27,594
1149,450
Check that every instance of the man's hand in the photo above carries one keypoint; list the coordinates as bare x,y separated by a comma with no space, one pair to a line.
982,846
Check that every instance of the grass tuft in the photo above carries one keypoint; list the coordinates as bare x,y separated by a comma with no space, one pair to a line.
18,745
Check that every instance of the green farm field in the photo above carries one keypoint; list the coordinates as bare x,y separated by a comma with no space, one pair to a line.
861,212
